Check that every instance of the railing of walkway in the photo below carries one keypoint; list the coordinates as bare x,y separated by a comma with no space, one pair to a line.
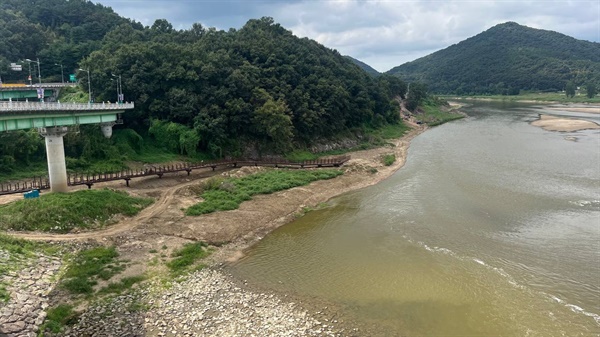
160,170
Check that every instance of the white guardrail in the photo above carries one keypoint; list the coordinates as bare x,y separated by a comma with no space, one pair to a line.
57,106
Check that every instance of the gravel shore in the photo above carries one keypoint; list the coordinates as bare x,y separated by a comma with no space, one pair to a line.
207,303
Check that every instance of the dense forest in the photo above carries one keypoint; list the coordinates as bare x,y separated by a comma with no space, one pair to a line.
197,90
505,59
364,66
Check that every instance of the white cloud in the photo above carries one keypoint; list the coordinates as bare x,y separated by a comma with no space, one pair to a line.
382,33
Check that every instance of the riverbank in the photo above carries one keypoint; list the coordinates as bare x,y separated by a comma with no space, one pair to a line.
164,228
541,98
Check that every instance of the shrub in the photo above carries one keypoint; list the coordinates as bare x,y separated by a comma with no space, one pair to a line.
389,159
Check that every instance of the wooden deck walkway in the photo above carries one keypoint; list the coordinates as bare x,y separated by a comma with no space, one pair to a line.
160,170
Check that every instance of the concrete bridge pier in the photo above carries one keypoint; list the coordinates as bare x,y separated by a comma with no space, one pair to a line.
55,152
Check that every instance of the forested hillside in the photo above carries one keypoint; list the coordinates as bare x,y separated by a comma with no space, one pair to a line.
364,66
56,31
198,90
505,59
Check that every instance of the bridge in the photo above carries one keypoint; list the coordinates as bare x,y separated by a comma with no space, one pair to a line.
21,92
53,121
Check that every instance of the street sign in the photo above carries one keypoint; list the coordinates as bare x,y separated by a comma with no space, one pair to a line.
16,67
72,78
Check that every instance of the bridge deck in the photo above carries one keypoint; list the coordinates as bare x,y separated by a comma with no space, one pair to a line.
90,179
16,108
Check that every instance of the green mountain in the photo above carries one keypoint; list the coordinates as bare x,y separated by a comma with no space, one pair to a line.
507,57
364,66
197,91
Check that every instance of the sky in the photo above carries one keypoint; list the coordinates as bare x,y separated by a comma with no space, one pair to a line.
381,33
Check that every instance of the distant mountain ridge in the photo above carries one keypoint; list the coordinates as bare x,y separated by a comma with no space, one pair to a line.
370,70
505,58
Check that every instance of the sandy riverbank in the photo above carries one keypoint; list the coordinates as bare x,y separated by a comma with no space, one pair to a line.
553,123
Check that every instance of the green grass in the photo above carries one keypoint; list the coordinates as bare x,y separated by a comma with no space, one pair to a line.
390,131
88,266
15,246
433,115
534,96
123,285
223,195
389,159
62,212
20,172
4,294
186,259
57,317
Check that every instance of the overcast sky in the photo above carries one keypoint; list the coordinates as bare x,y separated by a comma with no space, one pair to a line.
384,34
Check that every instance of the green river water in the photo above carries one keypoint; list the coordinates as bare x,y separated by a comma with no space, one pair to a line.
492,228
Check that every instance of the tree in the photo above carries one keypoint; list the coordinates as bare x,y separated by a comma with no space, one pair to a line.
273,121
591,90
417,92
570,89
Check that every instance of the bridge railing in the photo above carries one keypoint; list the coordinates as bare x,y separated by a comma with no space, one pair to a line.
57,106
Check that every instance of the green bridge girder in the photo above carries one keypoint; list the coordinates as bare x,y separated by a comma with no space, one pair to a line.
28,115
21,122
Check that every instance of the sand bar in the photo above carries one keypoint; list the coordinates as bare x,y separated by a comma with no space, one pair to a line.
553,123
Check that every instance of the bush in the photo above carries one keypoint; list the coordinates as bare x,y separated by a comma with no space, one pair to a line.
389,159
186,257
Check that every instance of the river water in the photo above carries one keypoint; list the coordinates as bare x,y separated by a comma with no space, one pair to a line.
492,228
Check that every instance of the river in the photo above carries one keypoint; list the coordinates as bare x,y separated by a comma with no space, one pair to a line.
491,228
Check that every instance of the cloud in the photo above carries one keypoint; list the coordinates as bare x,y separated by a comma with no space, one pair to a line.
383,33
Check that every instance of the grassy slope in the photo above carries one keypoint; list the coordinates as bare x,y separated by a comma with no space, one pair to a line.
434,112
62,212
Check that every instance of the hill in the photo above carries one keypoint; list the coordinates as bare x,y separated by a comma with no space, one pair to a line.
364,66
199,92
507,57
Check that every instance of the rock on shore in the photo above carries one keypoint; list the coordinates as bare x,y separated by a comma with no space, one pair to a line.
207,303
29,287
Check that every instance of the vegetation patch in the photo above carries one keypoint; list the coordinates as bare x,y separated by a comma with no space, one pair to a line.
388,159
223,195
90,265
433,114
186,259
308,209
24,248
124,284
62,212
4,294
57,317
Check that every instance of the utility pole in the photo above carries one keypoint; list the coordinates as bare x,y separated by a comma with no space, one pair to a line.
62,73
